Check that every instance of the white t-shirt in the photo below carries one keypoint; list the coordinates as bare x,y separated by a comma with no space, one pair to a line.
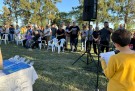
7,30
83,33
89,34
47,30
64,27
17,31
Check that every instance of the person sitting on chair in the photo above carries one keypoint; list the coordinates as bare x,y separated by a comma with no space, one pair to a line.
36,40
120,69
60,33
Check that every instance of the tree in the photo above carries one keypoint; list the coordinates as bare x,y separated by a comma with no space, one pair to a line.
14,7
102,12
39,11
32,11
6,19
124,10
62,17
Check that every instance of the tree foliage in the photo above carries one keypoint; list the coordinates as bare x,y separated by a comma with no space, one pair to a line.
124,11
33,11
5,16
14,7
113,11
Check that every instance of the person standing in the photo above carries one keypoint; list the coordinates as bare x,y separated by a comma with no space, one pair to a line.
120,69
11,32
67,35
89,37
17,31
47,34
54,31
95,39
83,37
105,37
74,32
63,26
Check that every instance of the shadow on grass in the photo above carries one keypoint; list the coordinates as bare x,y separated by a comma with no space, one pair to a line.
55,71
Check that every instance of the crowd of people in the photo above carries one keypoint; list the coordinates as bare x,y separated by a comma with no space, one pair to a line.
120,68
70,32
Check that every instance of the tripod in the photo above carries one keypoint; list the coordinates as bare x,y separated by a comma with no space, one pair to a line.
88,56
87,50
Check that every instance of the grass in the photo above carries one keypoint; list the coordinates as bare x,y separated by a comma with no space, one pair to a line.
56,72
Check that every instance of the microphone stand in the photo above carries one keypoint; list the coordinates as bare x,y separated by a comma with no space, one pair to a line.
98,64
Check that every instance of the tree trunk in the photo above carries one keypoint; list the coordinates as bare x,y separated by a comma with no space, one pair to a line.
96,23
16,20
125,21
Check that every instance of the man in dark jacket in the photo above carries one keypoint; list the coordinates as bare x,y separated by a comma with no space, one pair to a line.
105,37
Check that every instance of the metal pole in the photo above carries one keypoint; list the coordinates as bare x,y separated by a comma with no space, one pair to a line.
97,88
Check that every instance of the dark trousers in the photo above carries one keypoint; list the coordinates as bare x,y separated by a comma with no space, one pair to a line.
46,38
74,42
95,46
104,45
88,45
36,44
24,42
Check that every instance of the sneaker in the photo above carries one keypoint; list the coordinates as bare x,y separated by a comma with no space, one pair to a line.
66,49
72,50
75,50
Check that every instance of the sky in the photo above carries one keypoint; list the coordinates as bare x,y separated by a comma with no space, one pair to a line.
66,5
1,5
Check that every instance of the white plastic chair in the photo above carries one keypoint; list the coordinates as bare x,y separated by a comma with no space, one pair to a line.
4,38
19,39
43,42
40,44
61,45
53,44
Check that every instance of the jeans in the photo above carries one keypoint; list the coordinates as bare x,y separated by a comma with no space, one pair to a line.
53,37
11,37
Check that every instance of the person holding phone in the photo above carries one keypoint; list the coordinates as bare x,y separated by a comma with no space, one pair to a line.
120,69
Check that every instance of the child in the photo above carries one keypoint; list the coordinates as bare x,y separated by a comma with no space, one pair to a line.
121,67
83,37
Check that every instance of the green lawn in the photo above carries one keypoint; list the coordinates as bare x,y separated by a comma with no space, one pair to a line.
56,72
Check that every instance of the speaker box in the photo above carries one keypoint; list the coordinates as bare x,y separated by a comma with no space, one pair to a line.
90,10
